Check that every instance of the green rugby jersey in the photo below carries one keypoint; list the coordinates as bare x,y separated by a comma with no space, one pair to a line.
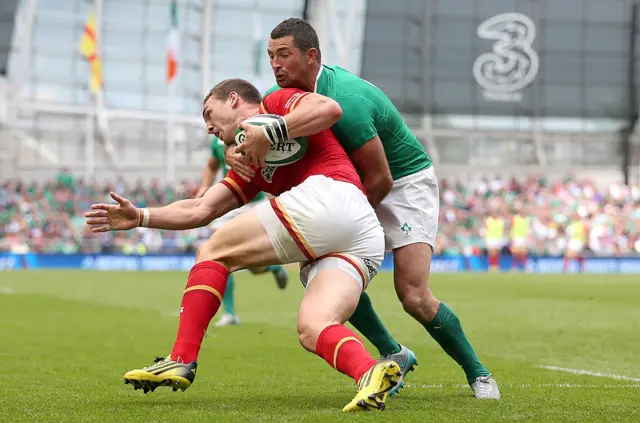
367,111
217,152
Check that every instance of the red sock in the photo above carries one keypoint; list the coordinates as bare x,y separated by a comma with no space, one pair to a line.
200,302
566,264
343,350
493,260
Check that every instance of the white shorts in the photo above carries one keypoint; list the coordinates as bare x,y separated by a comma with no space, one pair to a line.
494,244
519,242
409,213
322,219
575,245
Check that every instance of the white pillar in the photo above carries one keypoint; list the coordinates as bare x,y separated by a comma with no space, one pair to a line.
90,154
338,24
426,126
24,33
102,118
205,52
349,34
426,122
318,18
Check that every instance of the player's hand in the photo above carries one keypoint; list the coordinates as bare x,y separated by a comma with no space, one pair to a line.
256,145
236,162
113,217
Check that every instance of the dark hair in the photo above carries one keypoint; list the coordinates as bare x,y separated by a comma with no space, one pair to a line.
245,89
304,36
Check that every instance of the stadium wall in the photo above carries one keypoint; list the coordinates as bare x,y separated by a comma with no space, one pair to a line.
440,264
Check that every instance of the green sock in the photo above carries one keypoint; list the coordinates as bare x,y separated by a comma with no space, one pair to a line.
447,331
368,323
274,268
228,301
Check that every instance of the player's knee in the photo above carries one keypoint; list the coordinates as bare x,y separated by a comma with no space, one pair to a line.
418,301
211,251
307,335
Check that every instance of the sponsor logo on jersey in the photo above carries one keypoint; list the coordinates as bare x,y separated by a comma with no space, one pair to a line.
267,173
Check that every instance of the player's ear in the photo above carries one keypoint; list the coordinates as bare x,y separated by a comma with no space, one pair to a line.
312,55
233,99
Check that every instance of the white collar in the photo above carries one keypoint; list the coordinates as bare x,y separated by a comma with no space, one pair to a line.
315,87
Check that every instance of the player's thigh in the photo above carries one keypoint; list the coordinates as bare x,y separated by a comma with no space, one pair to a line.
331,297
409,213
323,216
226,218
240,243
409,216
411,266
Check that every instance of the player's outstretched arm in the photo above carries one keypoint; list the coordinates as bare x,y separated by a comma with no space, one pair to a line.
181,215
312,114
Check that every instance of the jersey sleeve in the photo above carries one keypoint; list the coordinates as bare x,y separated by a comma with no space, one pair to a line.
357,124
243,191
282,101
217,149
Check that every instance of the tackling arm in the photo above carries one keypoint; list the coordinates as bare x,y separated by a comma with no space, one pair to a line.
311,113
372,164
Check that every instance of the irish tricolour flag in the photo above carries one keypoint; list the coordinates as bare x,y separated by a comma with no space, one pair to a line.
173,41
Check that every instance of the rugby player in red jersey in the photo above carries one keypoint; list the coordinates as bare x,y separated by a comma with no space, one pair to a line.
321,217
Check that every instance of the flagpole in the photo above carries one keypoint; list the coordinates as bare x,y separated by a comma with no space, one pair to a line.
173,40
102,120
205,52
171,148
90,152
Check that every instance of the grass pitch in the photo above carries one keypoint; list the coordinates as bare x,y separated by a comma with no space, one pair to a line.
68,337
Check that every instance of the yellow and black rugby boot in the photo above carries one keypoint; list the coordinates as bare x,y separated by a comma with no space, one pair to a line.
374,387
164,372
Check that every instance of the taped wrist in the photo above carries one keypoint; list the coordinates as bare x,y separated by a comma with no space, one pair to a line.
276,131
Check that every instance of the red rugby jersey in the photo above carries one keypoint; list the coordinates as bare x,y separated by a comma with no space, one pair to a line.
324,156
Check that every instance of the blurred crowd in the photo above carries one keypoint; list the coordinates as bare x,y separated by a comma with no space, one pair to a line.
49,217
611,215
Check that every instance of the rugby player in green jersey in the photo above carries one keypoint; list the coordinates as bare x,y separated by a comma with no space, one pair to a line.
401,185
216,163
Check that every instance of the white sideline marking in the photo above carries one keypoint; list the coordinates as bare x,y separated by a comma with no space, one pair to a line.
6,290
528,385
589,373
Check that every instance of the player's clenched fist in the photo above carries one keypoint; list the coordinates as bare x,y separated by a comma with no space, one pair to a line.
113,217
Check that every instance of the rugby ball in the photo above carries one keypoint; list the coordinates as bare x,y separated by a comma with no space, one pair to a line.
283,152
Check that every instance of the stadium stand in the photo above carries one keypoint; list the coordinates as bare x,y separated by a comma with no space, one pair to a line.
48,217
